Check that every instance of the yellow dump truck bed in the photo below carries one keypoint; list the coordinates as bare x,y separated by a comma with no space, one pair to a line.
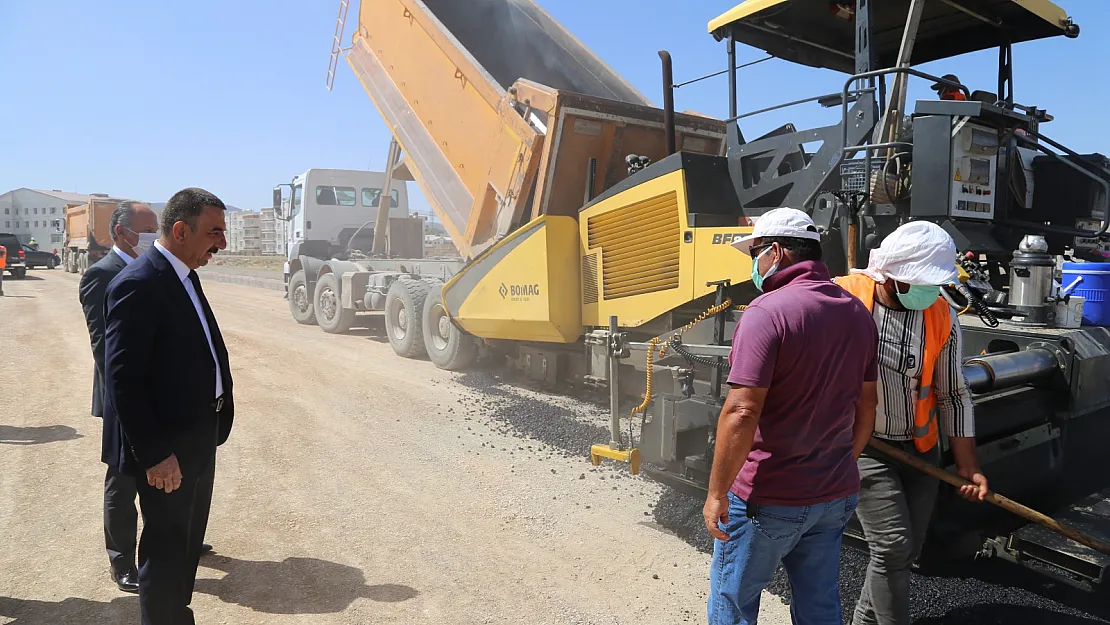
502,113
83,223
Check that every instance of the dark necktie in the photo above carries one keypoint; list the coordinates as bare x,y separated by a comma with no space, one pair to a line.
213,329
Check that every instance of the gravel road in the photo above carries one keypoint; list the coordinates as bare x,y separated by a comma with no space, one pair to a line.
359,487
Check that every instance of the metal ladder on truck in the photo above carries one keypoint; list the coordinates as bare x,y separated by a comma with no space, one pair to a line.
337,42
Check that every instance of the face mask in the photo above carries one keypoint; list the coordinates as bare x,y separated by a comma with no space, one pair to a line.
146,239
918,297
757,279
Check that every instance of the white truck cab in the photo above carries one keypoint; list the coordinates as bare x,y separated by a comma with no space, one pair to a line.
324,209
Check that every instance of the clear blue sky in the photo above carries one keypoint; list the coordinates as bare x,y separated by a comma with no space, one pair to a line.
143,98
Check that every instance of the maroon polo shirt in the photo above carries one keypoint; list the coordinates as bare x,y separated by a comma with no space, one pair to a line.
812,345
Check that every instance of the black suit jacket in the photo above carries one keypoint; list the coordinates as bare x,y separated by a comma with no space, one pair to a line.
160,379
94,284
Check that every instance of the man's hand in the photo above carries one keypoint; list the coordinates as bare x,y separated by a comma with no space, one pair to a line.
165,475
977,490
716,511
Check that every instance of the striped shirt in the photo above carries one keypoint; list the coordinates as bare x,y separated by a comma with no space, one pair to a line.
901,351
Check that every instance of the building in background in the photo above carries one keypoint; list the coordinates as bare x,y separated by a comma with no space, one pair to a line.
37,214
271,233
252,243
234,235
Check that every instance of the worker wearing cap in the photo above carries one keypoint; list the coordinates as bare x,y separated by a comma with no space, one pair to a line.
921,390
948,92
800,409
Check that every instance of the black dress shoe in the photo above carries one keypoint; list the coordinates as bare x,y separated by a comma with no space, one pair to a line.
128,581
205,548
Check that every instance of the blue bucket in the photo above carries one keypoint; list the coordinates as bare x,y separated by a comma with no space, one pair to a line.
1094,287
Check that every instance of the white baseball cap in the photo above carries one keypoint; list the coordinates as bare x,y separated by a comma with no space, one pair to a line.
917,253
780,222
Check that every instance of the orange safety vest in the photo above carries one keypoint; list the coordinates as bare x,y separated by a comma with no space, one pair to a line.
938,328
3,257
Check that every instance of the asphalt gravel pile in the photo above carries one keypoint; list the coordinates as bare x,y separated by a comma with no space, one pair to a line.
568,425
980,593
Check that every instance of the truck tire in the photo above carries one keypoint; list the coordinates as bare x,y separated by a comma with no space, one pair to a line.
404,313
50,263
300,300
448,346
330,314
20,273
82,263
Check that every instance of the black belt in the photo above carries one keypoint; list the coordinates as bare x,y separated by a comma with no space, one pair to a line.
218,405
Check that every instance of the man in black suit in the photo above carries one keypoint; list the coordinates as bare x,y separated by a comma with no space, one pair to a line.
168,386
134,226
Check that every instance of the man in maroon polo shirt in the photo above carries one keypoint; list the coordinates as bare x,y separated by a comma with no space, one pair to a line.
800,410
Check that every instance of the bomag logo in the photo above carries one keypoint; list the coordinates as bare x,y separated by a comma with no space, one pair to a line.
727,238
519,291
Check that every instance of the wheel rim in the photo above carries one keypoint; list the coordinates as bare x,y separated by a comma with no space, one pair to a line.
399,320
440,324
300,298
327,304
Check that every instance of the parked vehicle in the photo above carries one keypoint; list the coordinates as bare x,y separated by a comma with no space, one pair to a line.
16,266
38,258
87,235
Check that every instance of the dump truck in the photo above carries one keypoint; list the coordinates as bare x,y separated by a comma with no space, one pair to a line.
88,237
595,229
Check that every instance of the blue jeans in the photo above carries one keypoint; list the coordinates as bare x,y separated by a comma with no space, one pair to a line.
805,539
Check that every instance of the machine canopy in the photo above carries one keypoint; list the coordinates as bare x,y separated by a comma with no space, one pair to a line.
821,33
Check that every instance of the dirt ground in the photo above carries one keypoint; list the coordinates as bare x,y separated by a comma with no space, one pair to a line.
272,263
356,488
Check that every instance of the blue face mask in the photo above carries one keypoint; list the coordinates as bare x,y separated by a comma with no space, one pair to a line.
757,279
918,297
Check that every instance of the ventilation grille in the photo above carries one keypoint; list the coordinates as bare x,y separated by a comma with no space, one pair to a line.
589,279
639,247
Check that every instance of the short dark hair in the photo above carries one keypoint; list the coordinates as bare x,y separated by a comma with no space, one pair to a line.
186,205
801,249
122,216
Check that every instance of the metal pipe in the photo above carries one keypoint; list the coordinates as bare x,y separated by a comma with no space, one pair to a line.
614,392
381,225
1001,371
668,99
731,73
795,103
883,72
723,71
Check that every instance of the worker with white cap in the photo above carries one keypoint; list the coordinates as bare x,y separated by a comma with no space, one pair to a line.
921,390
800,409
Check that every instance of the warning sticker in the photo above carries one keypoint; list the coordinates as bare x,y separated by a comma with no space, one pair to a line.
958,177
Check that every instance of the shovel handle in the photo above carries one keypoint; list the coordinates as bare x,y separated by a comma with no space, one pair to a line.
1005,503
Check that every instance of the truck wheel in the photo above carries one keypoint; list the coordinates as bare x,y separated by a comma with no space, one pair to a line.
82,263
300,300
448,347
404,312
50,264
330,314
20,273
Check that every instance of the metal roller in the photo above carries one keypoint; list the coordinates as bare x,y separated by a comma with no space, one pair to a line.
999,371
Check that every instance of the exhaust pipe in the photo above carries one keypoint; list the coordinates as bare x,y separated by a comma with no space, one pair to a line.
668,100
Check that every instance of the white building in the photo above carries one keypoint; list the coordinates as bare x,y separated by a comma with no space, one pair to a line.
271,233
244,233
234,231
37,214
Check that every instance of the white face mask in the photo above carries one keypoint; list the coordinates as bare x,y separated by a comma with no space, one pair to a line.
146,239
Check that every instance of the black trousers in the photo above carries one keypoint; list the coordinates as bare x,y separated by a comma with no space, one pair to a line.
169,549
121,519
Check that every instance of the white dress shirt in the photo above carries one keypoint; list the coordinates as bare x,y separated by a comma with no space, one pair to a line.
182,271
127,260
